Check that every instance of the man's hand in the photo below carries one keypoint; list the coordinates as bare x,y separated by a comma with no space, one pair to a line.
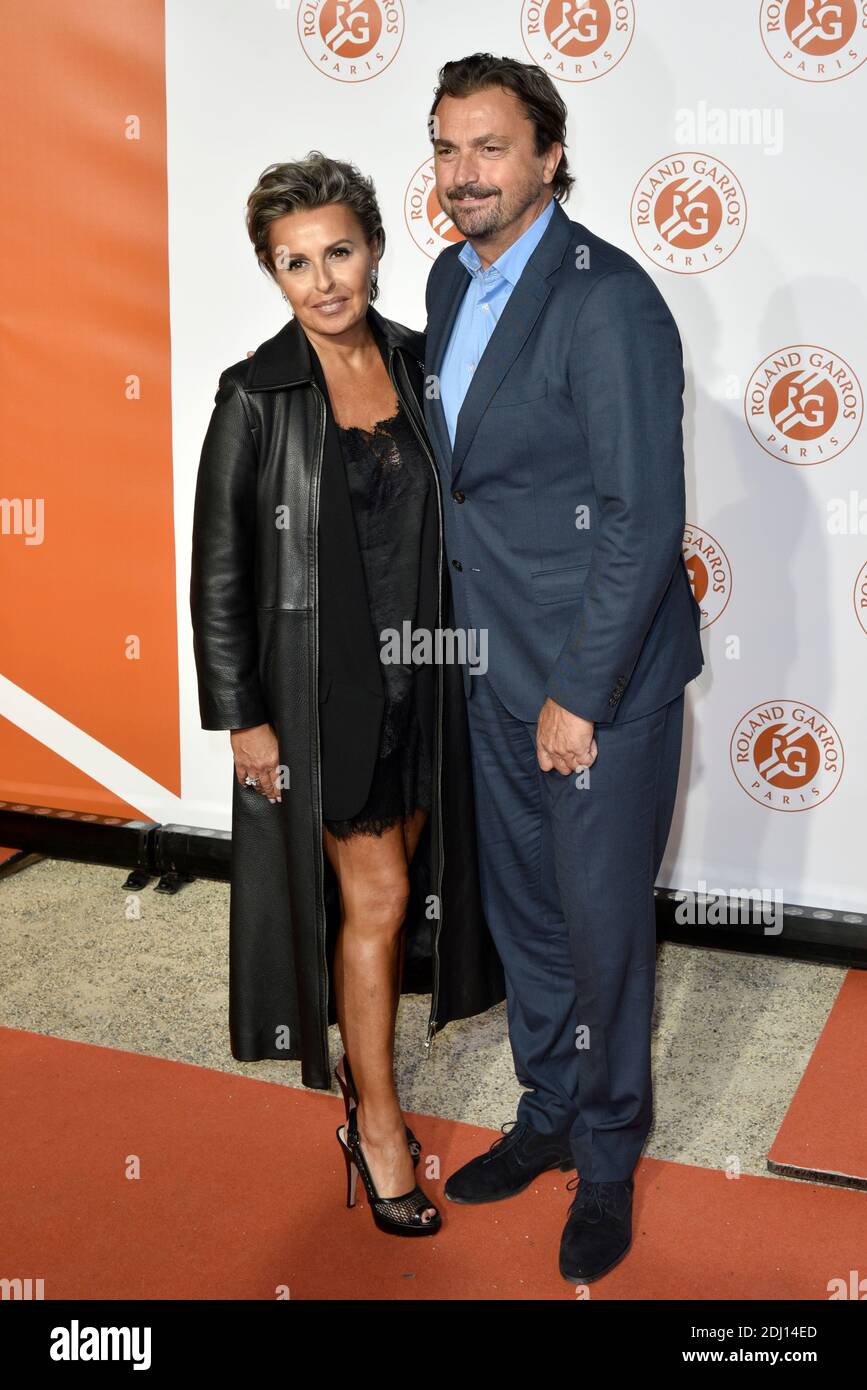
563,740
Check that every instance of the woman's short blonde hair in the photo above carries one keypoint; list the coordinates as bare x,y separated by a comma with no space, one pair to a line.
311,183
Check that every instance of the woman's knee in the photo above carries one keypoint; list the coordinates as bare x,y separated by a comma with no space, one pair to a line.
376,905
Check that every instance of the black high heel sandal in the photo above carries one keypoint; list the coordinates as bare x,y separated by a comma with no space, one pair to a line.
397,1216
350,1100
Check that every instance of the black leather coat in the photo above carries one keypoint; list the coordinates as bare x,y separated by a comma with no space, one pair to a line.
268,474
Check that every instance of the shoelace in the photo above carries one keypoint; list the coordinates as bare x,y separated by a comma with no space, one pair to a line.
508,1133
594,1199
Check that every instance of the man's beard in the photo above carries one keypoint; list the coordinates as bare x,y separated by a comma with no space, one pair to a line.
482,222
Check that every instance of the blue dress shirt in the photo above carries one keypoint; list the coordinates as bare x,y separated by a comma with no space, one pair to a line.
486,296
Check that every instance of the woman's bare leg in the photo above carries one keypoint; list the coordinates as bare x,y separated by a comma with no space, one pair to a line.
372,872
412,828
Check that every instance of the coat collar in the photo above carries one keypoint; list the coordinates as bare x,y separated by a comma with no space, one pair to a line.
286,359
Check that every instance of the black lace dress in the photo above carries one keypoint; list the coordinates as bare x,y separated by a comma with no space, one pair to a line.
390,488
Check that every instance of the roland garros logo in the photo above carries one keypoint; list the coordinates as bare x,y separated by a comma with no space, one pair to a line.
431,229
859,598
577,40
710,573
351,40
814,40
804,404
786,755
688,212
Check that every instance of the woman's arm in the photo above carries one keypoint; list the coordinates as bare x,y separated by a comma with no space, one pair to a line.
222,576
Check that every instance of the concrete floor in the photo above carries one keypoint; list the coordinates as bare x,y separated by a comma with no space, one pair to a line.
149,973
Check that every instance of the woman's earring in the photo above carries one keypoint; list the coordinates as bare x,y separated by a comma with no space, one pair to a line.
286,297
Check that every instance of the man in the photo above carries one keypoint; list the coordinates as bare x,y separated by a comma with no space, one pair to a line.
555,408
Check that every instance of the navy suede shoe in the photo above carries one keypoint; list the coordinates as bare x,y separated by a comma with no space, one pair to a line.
510,1165
598,1232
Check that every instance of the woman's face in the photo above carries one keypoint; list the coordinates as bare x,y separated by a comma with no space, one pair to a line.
323,264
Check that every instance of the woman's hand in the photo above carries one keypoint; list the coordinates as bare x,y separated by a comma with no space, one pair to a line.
256,755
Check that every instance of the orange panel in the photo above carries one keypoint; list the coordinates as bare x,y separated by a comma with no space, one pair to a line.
86,311
35,776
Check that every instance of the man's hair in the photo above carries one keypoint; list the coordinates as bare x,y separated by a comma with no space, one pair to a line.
311,183
534,89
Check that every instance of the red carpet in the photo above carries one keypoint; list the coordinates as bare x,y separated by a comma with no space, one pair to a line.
242,1192
824,1133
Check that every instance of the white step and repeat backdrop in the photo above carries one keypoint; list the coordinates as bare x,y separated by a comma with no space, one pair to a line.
719,145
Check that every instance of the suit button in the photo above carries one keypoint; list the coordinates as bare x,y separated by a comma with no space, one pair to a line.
457,564
459,496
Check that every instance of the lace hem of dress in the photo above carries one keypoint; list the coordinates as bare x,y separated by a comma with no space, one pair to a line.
342,829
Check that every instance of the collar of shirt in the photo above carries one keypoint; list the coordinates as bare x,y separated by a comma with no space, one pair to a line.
510,265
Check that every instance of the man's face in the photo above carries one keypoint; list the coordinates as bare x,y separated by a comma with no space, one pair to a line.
487,171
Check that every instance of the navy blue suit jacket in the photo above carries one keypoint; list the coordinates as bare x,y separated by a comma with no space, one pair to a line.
576,403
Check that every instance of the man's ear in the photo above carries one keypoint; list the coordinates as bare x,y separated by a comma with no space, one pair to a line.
552,160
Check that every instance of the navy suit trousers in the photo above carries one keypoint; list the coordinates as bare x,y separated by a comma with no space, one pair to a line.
567,876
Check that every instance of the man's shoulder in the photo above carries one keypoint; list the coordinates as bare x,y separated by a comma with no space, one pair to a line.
590,252
608,278
584,249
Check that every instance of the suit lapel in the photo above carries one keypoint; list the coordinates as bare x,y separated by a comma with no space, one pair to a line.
513,327
456,278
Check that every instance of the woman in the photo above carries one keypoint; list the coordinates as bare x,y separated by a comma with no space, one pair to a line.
317,529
